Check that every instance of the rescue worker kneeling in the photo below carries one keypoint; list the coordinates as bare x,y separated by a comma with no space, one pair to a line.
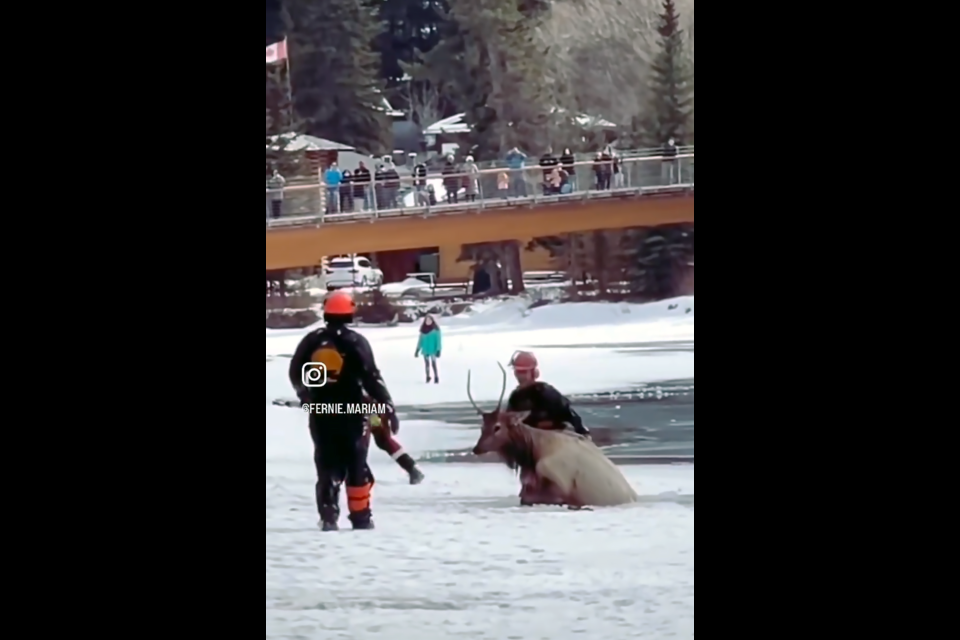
340,440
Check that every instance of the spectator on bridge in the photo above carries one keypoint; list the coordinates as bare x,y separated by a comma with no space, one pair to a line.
548,162
346,193
618,179
503,185
361,186
451,181
671,163
391,187
333,178
420,181
275,187
603,172
471,179
558,183
569,163
516,162
566,181
607,158
551,185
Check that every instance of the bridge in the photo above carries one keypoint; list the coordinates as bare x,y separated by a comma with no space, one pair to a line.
649,190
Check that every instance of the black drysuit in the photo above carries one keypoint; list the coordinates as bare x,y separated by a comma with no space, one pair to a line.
340,442
549,409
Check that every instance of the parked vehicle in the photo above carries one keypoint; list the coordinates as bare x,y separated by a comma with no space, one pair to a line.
351,271
416,285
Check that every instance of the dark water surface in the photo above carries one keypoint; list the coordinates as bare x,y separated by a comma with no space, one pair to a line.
643,423
648,423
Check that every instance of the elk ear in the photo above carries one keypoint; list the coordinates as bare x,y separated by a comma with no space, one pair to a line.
520,417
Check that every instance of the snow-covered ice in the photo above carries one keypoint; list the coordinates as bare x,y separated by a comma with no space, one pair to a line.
455,557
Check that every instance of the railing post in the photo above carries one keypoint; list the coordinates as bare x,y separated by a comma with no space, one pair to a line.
323,209
323,198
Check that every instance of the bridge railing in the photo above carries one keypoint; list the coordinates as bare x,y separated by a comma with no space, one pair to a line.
632,174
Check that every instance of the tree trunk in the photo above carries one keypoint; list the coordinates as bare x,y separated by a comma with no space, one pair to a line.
601,263
514,264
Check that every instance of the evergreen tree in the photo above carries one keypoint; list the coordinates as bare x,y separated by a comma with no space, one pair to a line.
410,28
657,260
672,84
279,109
491,65
274,22
337,88
282,125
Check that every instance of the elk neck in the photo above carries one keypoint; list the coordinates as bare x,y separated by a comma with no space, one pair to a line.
519,452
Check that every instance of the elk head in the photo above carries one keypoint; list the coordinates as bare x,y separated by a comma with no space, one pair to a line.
501,434
496,432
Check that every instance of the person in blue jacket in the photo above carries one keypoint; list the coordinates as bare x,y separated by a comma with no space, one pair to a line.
430,345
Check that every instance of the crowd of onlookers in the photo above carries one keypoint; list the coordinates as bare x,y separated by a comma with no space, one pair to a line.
388,187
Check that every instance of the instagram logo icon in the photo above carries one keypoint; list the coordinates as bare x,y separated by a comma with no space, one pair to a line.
314,375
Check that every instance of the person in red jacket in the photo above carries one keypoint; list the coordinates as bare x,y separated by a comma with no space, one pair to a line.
386,441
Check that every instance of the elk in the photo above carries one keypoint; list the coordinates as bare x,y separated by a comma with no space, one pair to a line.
556,467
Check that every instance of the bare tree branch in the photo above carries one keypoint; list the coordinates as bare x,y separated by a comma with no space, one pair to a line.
425,103
601,51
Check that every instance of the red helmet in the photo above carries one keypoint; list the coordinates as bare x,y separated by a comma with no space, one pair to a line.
524,361
339,303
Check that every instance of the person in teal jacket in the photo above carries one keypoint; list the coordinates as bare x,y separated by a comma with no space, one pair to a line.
430,345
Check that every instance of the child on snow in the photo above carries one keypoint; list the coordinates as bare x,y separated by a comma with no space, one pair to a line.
430,344
386,441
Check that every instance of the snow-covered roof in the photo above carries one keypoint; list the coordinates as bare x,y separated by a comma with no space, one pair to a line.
301,142
588,122
456,124
390,111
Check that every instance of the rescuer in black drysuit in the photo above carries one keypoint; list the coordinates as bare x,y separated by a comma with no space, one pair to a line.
340,441
549,409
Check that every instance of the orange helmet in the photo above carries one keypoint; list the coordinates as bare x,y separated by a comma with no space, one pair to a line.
339,303
524,361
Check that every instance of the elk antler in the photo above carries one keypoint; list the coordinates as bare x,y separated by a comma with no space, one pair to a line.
470,394
503,393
